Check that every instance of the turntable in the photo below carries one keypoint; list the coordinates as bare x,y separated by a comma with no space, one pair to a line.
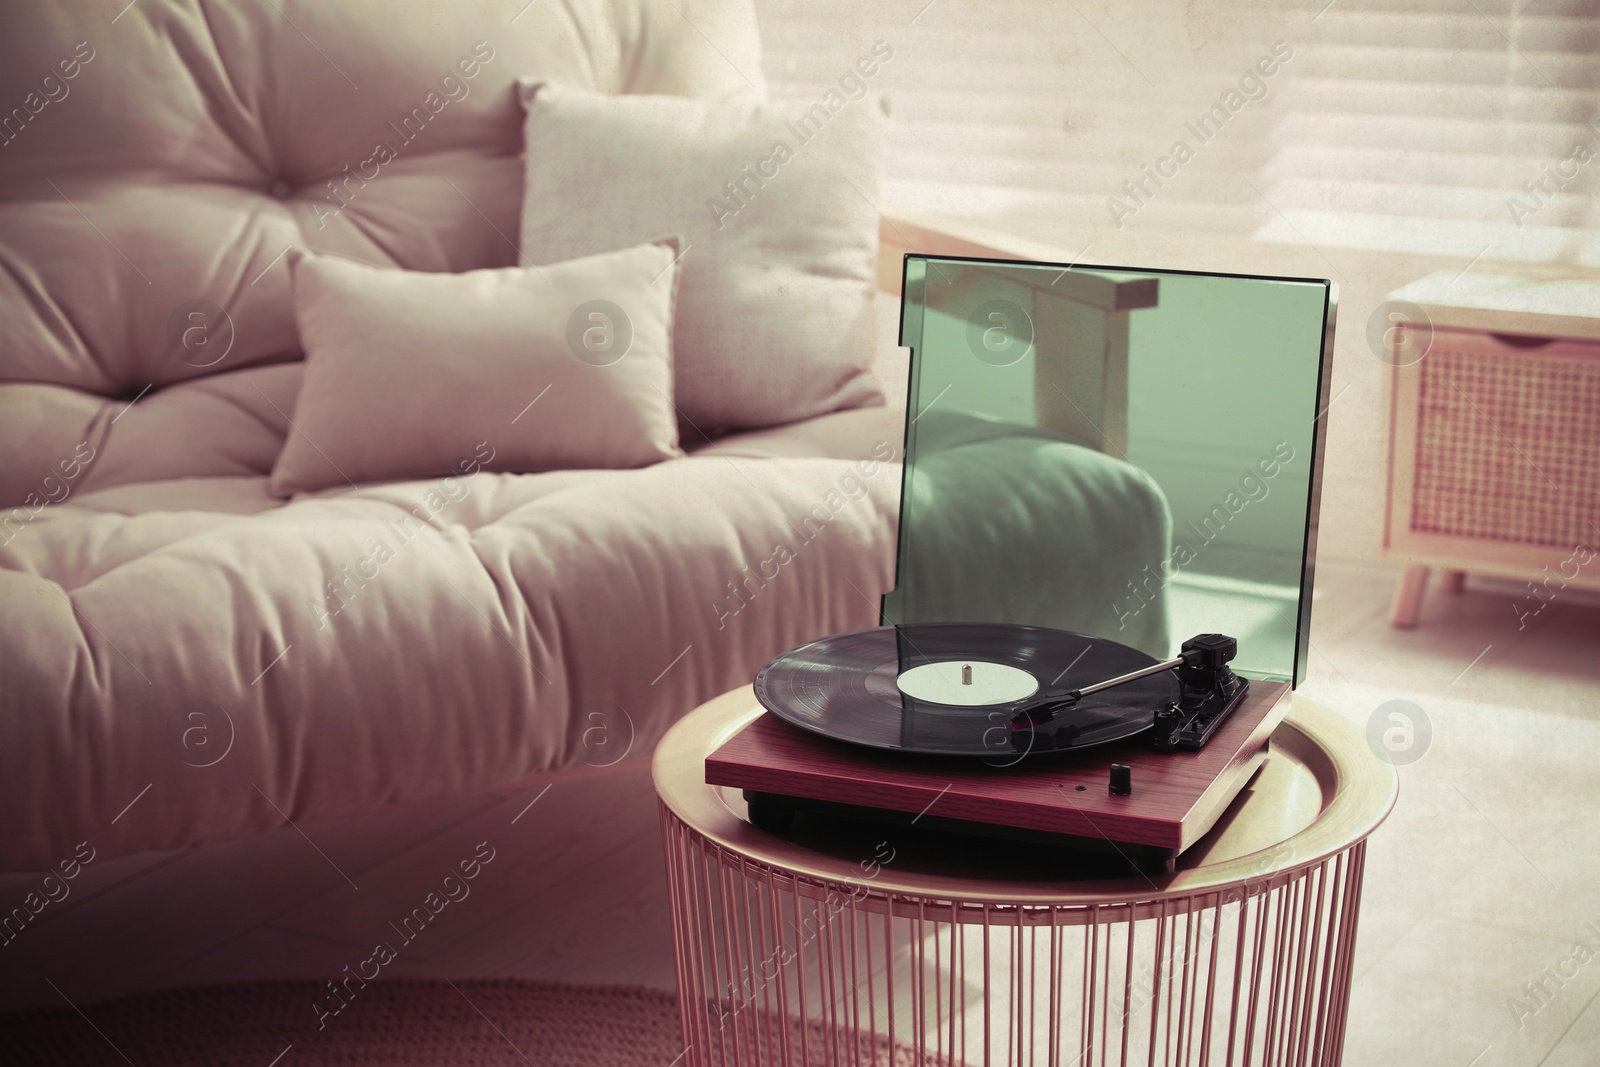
992,701
1040,736
994,690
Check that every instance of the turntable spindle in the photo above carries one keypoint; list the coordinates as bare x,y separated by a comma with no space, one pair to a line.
966,674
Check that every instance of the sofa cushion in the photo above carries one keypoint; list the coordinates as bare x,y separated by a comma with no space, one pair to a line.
775,207
58,443
248,659
148,198
409,374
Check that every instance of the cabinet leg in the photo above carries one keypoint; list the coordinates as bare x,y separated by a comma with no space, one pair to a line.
1408,596
1452,581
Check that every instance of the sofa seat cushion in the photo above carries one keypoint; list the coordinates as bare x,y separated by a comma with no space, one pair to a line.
151,628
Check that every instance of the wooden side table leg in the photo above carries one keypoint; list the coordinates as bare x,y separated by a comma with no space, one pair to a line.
1452,581
1408,596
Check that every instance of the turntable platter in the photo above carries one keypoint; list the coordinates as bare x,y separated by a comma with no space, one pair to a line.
958,689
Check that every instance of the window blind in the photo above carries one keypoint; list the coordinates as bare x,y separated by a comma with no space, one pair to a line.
1457,127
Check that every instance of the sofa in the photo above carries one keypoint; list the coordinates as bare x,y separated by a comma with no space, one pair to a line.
186,657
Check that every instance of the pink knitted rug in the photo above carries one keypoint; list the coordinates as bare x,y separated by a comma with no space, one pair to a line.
390,1023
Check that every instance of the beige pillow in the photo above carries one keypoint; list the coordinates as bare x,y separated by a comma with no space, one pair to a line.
413,375
774,204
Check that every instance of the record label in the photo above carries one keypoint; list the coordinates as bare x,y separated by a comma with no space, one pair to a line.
967,683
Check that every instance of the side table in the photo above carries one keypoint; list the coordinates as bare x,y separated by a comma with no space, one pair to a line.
1494,458
863,944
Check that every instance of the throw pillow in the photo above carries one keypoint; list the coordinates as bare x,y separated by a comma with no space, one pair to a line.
411,374
775,207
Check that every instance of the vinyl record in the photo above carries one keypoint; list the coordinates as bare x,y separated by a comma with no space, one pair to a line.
958,688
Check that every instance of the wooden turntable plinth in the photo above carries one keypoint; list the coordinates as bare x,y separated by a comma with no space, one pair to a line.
1175,799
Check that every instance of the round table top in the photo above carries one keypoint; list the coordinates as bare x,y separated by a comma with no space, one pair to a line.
1321,790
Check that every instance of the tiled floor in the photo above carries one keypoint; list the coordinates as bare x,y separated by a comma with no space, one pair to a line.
1488,871
1478,888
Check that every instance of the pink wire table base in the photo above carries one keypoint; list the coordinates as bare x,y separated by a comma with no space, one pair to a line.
795,954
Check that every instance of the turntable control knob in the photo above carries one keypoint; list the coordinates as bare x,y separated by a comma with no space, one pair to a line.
966,674
1121,779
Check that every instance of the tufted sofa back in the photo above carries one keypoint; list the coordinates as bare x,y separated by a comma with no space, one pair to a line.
157,160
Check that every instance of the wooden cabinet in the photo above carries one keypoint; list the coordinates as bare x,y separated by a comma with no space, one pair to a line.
1494,460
